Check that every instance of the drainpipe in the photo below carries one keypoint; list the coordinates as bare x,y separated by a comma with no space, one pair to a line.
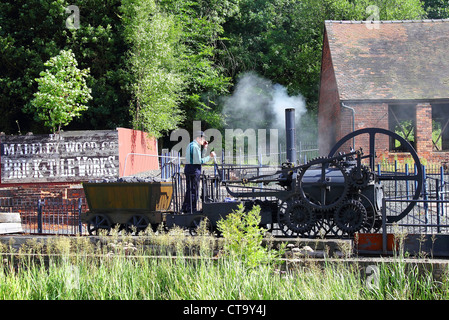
353,122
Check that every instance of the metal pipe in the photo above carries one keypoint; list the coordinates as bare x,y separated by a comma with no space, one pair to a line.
353,122
384,226
290,132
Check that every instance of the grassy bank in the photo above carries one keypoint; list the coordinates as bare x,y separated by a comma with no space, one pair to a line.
118,268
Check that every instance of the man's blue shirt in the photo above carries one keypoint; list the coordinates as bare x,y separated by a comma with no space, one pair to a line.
193,155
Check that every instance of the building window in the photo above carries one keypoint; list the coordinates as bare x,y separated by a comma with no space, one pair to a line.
440,127
402,120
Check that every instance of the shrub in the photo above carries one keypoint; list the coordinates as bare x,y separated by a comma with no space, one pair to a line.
243,237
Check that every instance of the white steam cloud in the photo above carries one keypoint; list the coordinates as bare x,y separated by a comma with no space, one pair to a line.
258,103
281,101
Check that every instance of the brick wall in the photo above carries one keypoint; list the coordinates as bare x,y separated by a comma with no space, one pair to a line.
335,121
424,144
33,192
423,134
376,115
329,105
364,115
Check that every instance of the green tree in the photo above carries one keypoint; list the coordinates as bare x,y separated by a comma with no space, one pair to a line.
201,23
436,9
28,38
99,44
62,91
281,40
210,43
157,82
33,31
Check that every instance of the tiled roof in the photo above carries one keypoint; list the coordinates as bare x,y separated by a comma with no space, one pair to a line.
390,59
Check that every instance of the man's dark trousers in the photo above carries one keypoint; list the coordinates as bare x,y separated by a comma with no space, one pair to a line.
193,173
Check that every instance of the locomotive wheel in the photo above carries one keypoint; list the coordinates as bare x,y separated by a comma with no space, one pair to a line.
296,219
417,178
329,196
351,216
97,223
137,223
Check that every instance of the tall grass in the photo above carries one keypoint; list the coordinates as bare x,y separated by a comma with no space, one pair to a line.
171,266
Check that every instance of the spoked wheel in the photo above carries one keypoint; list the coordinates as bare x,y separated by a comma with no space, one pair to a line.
99,223
137,223
296,218
350,217
416,178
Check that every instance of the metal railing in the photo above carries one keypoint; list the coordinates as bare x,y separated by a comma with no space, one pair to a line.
167,164
426,218
430,214
48,216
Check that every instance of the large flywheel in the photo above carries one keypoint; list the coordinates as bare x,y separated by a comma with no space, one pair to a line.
358,177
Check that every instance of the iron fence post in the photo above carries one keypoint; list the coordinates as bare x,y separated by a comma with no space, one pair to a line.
437,189
162,164
395,181
407,173
80,205
39,216
442,189
425,197
384,225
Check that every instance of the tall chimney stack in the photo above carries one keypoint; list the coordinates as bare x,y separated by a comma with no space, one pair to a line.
290,133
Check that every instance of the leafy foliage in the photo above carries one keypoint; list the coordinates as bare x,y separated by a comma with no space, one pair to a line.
201,24
33,31
282,39
208,43
100,45
436,9
62,91
243,236
157,83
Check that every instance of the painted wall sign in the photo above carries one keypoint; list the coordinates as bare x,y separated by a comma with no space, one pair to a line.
70,156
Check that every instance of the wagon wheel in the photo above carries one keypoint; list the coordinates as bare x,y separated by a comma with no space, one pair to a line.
417,178
137,223
97,223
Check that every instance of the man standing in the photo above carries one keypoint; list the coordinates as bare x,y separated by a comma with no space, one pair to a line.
192,170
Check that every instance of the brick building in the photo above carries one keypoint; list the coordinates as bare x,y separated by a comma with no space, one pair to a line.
392,75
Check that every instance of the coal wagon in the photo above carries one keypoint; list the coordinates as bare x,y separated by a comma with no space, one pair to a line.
132,205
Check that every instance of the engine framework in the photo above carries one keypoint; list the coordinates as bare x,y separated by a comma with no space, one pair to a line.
333,196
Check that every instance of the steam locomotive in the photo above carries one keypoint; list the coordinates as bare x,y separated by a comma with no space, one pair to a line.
333,196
